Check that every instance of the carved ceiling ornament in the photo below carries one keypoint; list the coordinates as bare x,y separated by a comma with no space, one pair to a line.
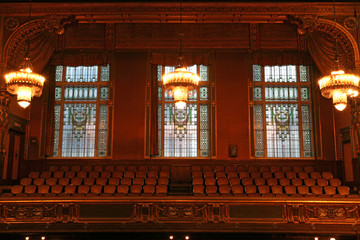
11,23
49,23
314,23
345,38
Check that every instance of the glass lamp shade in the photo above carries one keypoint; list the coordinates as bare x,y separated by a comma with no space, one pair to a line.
179,83
339,86
24,83
339,100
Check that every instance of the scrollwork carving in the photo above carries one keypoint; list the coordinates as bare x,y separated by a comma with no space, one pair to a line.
181,211
331,212
30,212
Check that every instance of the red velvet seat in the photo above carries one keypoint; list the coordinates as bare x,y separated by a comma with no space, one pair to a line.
309,182
197,181
149,189
222,181
101,181
117,174
271,181
234,181
263,189
17,189
237,189
51,181
34,174
297,169
232,175
150,181
105,174
109,189
70,174
26,181
161,189
76,168
198,189
58,174
38,181
114,181
46,174
303,189
94,174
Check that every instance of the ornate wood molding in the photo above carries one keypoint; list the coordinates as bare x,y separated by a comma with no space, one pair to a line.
48,23
200,12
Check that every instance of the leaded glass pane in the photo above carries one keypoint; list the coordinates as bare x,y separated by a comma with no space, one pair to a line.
169,69
303,73
79,126
307,132
104,93
204,73
159,128
257,93
204,93
168,97
257,73
192,95
59,73
259,131
105,72
180,131
80,93
204,130
102,130
282,130
281,93
304,92
81,74
159,73
57,93
192,69
57,109
280,73
159,93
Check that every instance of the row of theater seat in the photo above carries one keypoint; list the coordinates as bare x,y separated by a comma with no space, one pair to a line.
206,179
95,180
239,168
273,180
276,190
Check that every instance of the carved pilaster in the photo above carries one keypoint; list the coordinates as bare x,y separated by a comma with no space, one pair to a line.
254,37
110,36
4,125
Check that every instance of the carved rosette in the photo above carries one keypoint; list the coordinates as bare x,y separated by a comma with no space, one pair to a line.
332,212
30,213
181,212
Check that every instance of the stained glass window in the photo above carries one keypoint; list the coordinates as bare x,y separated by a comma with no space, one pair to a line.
281,112
81,111
185,133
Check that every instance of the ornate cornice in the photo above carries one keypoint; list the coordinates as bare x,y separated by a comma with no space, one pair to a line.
169,12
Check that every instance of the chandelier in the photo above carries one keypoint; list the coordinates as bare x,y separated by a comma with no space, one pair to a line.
180,84
339,85
25,83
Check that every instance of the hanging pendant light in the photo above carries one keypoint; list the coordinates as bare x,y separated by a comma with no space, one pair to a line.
180,84
339,85
25,83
